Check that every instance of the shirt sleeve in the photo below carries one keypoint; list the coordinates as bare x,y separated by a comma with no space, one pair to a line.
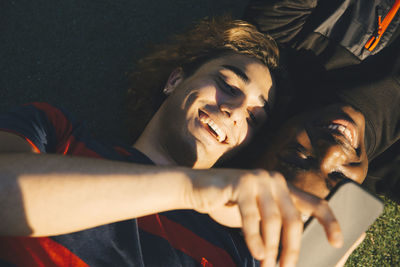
46,128
282,19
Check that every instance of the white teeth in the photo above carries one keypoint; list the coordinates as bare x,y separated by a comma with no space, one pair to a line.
333,126
215,128
204,120
348,135
346,132
220,135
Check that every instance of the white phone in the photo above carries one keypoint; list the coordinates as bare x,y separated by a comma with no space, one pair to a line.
355,209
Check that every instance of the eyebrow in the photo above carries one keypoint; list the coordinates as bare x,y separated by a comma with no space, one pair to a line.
238,72
245,79
300,147
291,164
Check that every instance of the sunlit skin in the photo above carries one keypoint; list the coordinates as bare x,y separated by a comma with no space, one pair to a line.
314,154
206,114
211,112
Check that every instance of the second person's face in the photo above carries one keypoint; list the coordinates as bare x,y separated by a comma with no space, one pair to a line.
318,149
216,109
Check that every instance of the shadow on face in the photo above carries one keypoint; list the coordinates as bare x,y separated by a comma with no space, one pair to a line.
318,149
214,110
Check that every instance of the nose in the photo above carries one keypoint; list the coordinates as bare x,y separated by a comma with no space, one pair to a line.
335,163
331,157
234,108
224,109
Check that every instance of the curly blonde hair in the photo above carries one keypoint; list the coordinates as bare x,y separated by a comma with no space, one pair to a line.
209,39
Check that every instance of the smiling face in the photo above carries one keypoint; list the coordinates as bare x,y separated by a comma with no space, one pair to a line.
318,149
214,110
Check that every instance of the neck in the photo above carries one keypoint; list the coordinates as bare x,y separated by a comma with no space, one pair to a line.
149,144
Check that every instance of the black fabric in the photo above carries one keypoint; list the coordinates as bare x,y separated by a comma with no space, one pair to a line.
334,30
384,173
373,87
282,19
322,42
380,104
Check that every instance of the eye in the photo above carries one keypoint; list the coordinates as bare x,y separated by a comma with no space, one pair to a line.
297,157
301,154
229,89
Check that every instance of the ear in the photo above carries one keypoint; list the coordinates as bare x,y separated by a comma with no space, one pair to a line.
175,78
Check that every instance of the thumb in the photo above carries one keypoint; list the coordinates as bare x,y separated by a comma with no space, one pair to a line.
228,216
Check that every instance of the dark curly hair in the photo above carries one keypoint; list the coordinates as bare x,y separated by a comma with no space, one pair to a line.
209,39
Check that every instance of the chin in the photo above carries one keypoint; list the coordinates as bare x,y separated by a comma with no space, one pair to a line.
205,160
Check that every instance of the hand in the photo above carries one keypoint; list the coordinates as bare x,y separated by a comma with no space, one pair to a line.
261,203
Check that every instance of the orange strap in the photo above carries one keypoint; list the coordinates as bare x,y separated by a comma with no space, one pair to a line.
382,26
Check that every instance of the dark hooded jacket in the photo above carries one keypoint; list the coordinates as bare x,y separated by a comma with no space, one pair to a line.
322,44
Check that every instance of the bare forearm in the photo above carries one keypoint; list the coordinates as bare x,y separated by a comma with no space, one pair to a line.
53,194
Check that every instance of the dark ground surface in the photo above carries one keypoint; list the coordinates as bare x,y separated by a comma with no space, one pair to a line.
76,54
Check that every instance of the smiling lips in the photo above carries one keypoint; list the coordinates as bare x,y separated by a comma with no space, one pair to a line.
346,129
212,127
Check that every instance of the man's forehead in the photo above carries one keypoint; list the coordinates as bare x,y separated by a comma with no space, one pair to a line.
240,61
248,70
